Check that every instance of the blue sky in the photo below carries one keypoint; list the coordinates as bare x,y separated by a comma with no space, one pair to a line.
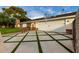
42,11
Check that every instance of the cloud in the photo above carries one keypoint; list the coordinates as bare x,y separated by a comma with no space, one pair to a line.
35,14
67,7
37,17
51,11
47,11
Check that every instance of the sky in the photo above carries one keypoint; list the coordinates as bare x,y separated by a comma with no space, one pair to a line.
34,12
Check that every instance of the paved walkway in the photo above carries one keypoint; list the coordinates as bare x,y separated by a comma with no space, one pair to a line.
38,42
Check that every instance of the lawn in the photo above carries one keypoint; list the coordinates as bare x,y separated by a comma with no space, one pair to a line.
9,30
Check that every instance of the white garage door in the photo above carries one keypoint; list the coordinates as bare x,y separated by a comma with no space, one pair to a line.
57,26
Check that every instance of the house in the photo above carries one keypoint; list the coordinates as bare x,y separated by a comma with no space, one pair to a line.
59,23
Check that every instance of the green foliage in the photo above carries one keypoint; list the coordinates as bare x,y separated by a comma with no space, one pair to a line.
6,21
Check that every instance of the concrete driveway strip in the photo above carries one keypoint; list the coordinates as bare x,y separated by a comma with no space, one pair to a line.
27,47
68,43
11,37
30,38
52,47
63,35
19,43
60,43
9,47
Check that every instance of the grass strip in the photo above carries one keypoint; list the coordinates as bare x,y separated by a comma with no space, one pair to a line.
36,40
39,45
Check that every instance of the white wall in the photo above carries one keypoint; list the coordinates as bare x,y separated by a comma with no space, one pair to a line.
57,25
69,23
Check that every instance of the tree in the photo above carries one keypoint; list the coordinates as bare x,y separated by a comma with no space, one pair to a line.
6,21
3,19
15,12
12,22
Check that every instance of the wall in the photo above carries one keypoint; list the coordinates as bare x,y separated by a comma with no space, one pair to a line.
69,23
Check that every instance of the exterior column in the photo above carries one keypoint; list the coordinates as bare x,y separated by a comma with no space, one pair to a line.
76,39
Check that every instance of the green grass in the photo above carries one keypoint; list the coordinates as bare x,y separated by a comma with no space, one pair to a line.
9,30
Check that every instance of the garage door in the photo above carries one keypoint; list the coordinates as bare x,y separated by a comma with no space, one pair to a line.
57,26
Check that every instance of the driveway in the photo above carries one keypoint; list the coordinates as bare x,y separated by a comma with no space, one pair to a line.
38,42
